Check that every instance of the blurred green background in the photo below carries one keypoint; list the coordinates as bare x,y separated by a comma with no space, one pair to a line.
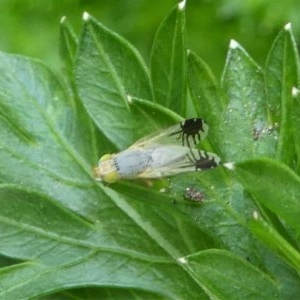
31,27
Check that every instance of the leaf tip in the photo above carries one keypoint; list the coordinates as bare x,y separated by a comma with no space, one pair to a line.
288,27
255,215
233,44
181,5
129,99
86,16
230,166
63,19
182,260
295,92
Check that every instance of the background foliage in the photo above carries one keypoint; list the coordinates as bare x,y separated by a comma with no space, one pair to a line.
31,27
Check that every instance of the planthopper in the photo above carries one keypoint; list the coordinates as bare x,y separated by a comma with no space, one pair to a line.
165,153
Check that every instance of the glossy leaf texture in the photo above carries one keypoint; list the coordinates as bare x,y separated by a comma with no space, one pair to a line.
168,61
261,119
207,98
261,103
61,250
67,46
61,230
207,266
245,121
282,75
66,230
274,240
275,186
109,73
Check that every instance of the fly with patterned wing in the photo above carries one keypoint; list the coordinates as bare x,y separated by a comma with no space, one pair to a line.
165,153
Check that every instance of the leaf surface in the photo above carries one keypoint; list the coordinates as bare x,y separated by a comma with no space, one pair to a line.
168,61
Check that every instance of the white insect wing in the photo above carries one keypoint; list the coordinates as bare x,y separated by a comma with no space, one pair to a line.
168,155
155,161
163,153
131,162
174,135
167,158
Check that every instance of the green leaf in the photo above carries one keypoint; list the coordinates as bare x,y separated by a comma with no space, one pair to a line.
282,74
295,126
70,252
104,294
61,230
68,231
206,95
67,45
108,71
244,131
275,241
274,185
38,133
225,276
163,116
168,61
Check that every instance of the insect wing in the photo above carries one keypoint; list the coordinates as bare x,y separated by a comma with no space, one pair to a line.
131,162
166,161
203,160
187,133
164,153
172,160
